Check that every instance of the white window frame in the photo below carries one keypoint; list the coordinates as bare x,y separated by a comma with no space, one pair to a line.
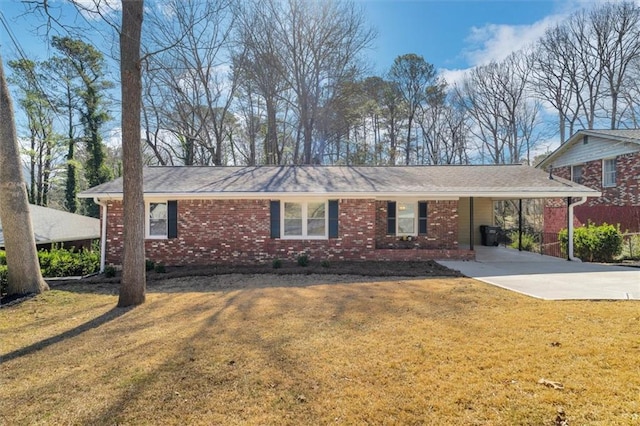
416,213
607,175
147,221
305,217
581,173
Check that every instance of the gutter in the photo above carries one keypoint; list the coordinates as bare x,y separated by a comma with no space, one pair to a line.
103,233
570,229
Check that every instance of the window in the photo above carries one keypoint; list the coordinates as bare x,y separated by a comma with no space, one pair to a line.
405,218
609,172
158,220
576,174
304,219
161,219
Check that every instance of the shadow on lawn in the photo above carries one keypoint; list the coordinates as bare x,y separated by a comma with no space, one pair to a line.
96,322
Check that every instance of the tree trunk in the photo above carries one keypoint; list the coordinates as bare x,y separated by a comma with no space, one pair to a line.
22,258
132,286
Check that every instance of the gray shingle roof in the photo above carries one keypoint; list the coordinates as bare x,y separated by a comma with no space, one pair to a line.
497,181
632,135
54,226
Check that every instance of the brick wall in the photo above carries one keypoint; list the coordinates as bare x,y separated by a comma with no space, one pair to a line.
617,205
238,231
442,228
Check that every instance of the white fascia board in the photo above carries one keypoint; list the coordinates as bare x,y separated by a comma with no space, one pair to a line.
334,195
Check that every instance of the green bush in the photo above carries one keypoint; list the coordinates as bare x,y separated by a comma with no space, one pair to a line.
303,259
277,263
594,243
149,265
529,242
3,257
631,247
109,271
3,279
160,268
60,262
325,263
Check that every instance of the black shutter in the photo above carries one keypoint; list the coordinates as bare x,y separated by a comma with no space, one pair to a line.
333,218
391,218
172,219
422,218
275,218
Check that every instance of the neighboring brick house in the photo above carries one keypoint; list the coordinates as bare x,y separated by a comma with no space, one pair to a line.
206,215
607,161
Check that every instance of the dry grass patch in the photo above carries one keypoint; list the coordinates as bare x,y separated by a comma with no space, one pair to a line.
313,349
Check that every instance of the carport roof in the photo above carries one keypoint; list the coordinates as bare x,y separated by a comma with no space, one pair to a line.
494,181
55,226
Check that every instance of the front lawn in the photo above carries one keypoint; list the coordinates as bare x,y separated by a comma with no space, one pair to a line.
317,349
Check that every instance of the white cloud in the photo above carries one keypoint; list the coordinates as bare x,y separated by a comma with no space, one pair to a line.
93,9
453,77
495,42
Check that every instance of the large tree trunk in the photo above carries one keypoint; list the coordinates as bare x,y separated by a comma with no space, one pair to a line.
24,274
132,287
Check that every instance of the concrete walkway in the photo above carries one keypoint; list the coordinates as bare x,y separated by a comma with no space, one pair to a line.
550,278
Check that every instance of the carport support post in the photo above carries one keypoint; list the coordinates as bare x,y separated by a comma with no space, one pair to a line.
471,234
569,230
520,224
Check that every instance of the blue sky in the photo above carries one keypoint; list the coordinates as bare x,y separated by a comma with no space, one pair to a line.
451,34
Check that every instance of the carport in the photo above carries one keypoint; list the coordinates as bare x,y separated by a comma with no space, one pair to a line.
550,278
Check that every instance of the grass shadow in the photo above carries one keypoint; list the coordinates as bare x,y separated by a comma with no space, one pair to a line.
76,331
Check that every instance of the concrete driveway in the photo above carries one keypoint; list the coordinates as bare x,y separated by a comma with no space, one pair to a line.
550,278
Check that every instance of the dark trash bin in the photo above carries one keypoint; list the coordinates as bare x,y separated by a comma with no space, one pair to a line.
489,235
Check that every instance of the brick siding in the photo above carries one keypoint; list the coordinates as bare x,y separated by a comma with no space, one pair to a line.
617,205
238,232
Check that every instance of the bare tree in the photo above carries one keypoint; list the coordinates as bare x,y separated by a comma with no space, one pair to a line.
33,84
321,46
413,77
616,30
444,129
502,119
24,274
191,72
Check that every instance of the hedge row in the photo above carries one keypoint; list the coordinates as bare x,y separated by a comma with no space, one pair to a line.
59,262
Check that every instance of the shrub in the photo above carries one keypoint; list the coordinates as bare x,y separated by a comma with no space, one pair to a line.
631,247
594,243
149,265
277,263
325,264
160,268
61,262
109,271
529,242
303,259
3,280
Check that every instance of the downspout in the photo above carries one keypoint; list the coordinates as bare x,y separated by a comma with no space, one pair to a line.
570,242
103,233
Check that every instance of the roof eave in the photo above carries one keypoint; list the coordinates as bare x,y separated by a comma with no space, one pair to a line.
435,195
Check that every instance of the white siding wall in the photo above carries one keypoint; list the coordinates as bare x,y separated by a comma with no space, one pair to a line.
595,149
